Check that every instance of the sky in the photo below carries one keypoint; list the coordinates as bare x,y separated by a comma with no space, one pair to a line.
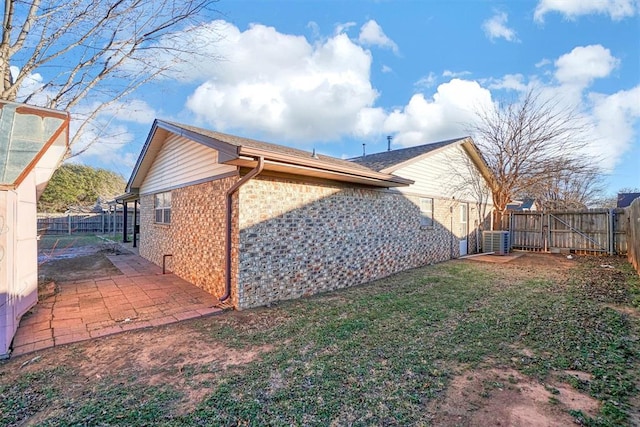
333,75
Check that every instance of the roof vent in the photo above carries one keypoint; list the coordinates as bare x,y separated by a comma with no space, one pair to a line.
389,138
314,155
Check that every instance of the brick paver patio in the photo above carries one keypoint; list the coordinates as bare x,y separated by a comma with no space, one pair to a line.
141,297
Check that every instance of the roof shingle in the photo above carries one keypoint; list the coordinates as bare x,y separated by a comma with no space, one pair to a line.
387,159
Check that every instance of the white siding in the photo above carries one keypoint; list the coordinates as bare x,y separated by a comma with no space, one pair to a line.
441,174
179,162
18,257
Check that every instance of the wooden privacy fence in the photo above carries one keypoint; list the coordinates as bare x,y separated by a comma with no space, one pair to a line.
96,223
602,231
633,219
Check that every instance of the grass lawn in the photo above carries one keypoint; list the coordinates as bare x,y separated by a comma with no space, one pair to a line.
388,353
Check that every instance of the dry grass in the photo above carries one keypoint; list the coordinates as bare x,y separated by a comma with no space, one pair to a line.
392,352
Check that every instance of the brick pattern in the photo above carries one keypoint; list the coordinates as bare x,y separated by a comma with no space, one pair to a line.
301,238
293,238
195,237
93,308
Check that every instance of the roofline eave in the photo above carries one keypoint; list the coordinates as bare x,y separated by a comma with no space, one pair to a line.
313,164
478,160
243,156
226,151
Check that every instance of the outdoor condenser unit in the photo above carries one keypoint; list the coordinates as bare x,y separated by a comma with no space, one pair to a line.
495,241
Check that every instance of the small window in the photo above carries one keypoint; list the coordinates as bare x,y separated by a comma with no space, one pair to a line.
426,212
163,208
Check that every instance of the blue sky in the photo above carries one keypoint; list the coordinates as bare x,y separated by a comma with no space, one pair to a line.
333,75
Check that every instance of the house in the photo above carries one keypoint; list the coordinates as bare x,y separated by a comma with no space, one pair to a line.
625,199
451,172
524,205
33,142
253,222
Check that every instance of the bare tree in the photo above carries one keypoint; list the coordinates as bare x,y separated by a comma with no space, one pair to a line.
611,200
63,51
465,181
527,144
576,185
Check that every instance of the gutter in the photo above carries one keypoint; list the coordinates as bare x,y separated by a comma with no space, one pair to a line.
322,165
228,219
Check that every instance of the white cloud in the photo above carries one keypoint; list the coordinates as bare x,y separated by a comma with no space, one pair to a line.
616,9
371,34
101,140
315,28
496,27
32,85
455,74
543,62
287,89
14,72
614,117
427,81
135,110
510,82
444,116
368,122
191,55
344,27
610,120
282,86
386,69
584,64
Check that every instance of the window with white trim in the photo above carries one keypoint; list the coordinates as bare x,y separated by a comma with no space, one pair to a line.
162,207
426,212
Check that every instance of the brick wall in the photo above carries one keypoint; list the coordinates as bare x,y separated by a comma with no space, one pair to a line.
296,238
299,238
195,236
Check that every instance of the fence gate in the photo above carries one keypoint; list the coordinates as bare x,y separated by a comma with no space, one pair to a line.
588,231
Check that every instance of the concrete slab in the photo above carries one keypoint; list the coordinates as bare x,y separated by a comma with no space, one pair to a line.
142,297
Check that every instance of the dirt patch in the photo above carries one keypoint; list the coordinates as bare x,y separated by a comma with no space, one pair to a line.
548,261
526,266
504,397
77,268
191,361
624,309
155,351
530,259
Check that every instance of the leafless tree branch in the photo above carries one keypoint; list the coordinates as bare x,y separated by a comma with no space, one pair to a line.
77,46
535,147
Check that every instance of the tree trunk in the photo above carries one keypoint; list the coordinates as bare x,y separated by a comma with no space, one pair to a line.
500,200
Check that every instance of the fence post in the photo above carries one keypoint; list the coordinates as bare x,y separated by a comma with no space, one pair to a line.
510,238
612,243
69,223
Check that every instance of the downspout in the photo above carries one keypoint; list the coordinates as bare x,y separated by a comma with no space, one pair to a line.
228,219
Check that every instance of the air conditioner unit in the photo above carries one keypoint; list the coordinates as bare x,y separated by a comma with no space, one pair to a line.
496,241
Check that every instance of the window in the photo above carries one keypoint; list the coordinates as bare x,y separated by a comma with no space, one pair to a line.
426,212
163,208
